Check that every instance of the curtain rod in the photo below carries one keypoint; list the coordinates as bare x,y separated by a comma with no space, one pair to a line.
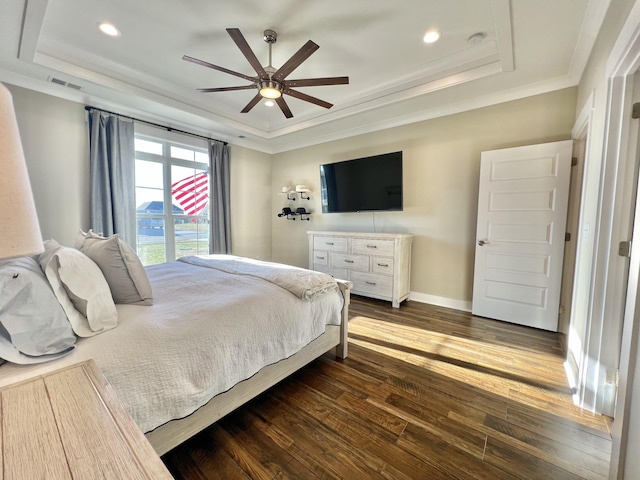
170,129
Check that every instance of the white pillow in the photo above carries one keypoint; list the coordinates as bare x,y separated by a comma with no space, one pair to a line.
80,287
36,328
120,265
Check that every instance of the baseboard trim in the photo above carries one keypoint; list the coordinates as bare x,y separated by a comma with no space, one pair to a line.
440,301
571,372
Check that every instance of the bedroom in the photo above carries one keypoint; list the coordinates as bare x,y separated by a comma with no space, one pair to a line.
54,134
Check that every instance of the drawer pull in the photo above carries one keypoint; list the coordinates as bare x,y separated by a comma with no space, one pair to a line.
383,264
370,283
372,246
349,261
328,243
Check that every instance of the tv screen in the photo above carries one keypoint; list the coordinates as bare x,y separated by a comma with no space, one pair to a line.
362,184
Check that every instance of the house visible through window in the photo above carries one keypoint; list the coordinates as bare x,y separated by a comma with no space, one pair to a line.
171,198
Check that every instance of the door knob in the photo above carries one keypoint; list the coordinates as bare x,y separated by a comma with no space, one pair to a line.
482,242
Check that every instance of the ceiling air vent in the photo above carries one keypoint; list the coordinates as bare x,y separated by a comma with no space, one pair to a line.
57,81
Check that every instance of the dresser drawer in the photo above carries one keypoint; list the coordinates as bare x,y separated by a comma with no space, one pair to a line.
321,258
351,262
373,284
331,244
382,265
372,246
339,273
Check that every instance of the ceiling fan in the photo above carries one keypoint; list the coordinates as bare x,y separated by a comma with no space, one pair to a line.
271,82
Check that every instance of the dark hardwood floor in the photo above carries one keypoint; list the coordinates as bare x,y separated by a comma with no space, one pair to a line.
426,393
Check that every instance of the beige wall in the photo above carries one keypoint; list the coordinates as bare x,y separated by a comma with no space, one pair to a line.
55,143
441,165
56,146
441,169
250,203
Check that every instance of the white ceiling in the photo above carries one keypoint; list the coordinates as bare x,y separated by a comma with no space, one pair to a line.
530,47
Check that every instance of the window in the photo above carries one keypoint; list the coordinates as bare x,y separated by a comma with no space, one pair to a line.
171,198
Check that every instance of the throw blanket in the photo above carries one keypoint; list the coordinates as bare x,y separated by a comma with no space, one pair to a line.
305,284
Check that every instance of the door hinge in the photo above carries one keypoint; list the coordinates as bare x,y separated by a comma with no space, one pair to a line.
574,161
624,249
635,111
567,237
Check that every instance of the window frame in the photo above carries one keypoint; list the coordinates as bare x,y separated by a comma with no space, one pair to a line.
167,140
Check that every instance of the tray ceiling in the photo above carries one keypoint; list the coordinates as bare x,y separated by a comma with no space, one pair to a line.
529,47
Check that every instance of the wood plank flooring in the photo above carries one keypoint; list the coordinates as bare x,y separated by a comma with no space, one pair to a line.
426,393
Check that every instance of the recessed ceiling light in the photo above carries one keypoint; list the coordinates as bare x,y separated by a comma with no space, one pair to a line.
109,29
431,36
269,103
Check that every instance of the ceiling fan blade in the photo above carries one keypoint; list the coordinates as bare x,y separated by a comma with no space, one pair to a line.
244,47
307,98
315,82
254,101
294,62
226,89
216,67
284,107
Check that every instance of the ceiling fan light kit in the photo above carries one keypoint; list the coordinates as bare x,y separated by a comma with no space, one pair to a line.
272,83
270,89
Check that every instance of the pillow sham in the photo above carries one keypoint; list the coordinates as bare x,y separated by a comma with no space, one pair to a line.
120,265
80,287
34,327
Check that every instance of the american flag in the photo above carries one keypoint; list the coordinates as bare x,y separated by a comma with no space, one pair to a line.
192,193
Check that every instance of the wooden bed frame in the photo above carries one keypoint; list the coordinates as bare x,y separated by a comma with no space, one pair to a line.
173,433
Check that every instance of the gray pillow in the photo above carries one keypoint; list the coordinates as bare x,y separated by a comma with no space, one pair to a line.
34,327
125,274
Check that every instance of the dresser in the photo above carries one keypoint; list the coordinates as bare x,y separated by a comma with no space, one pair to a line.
378,264
69,424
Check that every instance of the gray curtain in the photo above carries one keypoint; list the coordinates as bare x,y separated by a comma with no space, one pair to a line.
112,170
220,231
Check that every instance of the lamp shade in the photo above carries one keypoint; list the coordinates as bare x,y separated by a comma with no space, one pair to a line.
19,229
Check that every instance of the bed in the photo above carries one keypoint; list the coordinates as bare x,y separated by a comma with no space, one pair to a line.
220,330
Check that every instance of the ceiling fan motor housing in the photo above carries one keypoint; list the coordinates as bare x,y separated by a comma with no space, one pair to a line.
270,36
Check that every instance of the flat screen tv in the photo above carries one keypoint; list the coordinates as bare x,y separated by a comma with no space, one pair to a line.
362,184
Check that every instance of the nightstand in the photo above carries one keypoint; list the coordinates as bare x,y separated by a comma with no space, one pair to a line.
69,424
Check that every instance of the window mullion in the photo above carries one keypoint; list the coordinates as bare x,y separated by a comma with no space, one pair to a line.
169,224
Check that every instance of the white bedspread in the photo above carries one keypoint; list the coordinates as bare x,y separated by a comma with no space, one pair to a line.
167,360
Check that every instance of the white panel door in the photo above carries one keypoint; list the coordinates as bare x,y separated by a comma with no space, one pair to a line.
522,213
